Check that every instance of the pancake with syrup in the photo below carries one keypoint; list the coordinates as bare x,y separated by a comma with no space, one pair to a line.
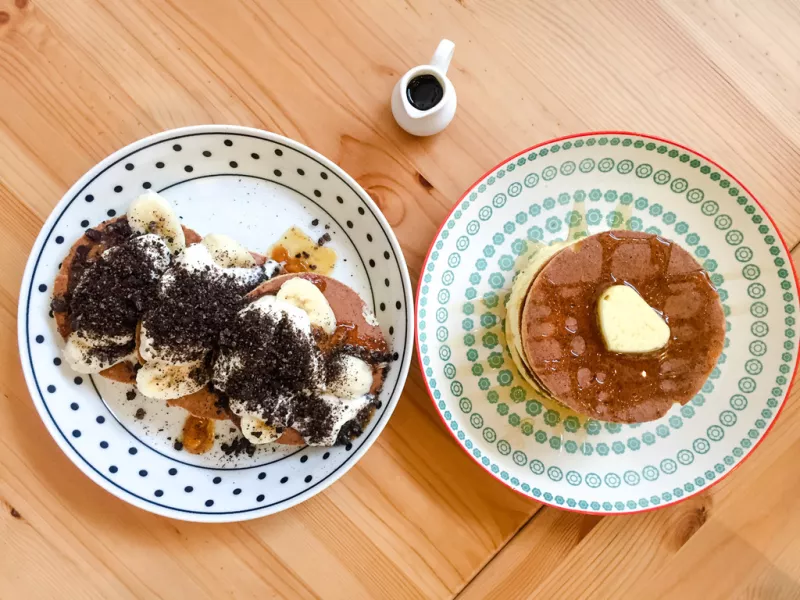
655,345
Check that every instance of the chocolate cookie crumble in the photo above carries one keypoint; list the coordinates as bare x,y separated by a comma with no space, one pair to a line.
238,446
275,369
115,290
276,359
193,309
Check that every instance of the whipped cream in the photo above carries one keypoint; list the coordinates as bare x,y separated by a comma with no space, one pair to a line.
354,378
198,257
342,411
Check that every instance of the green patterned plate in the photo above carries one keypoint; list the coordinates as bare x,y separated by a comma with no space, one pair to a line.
566,189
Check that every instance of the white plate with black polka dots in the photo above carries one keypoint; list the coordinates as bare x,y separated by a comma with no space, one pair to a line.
251,185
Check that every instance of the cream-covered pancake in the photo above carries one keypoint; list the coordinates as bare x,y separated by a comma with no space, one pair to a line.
105,283
295,359
304,362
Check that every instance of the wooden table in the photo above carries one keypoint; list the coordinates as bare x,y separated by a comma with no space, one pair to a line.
416,517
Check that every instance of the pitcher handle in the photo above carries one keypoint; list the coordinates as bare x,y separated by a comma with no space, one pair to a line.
443,55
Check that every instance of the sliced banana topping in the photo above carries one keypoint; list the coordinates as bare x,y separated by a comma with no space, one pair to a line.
227,252
305,295
257,432
81,352
165,381
152,213
354,378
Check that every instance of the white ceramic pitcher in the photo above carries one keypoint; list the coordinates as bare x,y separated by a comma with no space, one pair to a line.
436,118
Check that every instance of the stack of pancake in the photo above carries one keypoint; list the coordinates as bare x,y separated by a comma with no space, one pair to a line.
618,326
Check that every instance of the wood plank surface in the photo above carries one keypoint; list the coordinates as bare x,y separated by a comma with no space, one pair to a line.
415,517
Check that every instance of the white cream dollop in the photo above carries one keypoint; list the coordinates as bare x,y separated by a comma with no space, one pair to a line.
342,411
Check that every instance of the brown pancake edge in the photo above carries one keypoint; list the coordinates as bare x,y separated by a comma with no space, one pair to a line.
347,305
563,296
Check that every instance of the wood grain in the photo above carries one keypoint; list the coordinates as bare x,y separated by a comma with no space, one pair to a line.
415,518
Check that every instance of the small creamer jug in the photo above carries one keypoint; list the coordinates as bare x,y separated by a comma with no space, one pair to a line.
424,100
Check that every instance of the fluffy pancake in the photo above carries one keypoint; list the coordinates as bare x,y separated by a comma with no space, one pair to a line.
85,250
356,321
356,328
563,346
514,306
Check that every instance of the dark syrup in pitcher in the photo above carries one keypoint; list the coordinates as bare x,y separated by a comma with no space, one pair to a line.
424,92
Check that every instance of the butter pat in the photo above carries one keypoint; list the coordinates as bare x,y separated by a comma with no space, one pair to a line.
628,324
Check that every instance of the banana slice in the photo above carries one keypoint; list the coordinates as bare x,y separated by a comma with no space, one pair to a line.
151,213
305,295
79,352
164,381
257,432
227,252
354,378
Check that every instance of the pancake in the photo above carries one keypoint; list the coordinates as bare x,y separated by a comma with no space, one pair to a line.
204,403
356,328
82,253
516,301
86,249
563,346
356,324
